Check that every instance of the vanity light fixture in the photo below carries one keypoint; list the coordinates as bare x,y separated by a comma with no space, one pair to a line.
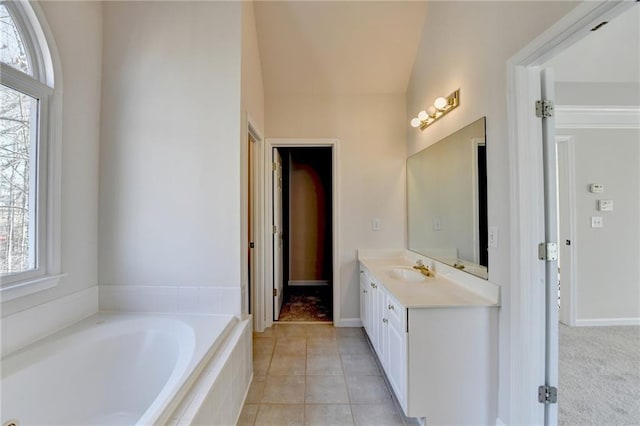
441,106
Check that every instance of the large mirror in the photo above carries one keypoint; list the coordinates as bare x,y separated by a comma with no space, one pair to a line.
447,200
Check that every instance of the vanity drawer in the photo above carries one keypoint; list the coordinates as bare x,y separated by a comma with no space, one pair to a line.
395,312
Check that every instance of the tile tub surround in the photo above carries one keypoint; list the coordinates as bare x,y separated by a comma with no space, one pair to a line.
25,327
333,379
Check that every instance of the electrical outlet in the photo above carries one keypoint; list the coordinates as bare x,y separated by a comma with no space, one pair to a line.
597,222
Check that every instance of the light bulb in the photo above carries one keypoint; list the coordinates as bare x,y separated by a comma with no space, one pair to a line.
432,111
440,103
422,115
415,122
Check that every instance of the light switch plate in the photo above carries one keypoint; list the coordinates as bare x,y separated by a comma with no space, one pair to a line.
493,237
596,188
437,226
605,205
375,224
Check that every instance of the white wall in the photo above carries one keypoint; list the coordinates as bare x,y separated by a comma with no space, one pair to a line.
371,130
252,108
608,273
169,159
77,32
466,45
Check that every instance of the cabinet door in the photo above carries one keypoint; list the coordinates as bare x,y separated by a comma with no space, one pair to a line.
396,361
364,301
374,313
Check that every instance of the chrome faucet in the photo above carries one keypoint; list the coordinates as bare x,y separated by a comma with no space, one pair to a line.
424,269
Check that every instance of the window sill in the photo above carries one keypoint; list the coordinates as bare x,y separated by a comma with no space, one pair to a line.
29,286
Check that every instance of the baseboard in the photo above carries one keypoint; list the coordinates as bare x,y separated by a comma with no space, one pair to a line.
603,322
348,322
307,283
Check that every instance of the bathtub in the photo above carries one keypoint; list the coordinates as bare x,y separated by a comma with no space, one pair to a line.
114,369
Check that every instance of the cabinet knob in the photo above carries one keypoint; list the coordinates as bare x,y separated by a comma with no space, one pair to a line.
391,307
384,320
364,291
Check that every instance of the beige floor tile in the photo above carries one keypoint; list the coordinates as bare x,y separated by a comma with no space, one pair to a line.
248,415
321,330
280,415
263,345
328,415
284,390
326,390
291,346
254,396
322,345
261,364
268,332
353,345
350,331
291,330
367,389
324,365
359,365
288,365
385,414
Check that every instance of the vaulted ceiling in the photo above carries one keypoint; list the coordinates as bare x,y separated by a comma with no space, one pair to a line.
338,47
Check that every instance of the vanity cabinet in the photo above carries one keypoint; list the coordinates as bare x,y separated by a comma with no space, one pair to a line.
441,362
384,320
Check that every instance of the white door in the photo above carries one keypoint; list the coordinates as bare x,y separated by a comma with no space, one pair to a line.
278,260
551,236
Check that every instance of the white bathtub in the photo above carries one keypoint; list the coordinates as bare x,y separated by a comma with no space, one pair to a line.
111,369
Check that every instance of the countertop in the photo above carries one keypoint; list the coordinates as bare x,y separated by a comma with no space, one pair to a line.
433,292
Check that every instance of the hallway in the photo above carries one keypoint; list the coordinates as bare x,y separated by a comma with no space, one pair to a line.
316,374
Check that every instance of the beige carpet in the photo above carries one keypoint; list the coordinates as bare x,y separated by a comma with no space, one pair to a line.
599,376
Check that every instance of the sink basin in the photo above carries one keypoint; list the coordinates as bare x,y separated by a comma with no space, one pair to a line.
405,273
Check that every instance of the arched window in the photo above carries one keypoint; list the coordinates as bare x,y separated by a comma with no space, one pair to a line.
29,246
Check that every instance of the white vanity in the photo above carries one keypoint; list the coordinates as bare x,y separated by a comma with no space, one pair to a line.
436,337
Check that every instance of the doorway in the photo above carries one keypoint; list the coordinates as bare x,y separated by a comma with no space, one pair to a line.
266,289
534,233
303,246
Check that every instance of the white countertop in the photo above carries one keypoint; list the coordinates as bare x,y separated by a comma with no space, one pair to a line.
439,291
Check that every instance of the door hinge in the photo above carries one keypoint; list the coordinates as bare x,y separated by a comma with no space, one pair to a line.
275,229
275,292
252,245
548,251
547,395
544,108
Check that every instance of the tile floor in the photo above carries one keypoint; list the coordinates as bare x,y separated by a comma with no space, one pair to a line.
316,374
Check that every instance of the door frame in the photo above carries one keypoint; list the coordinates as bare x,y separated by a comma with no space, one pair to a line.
267,213
258,206
527,294
568,290
475,144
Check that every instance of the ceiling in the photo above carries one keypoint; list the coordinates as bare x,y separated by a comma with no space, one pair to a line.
608,55
334,47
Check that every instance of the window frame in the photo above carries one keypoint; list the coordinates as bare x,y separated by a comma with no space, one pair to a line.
40,86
